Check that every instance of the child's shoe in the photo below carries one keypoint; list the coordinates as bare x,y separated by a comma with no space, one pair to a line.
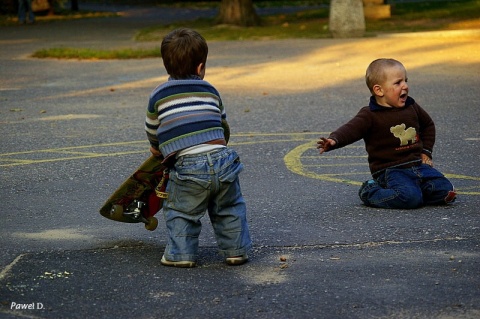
181,264
364,190
237,260
452,195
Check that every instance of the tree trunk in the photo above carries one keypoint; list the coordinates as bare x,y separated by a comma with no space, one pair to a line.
346,18
74,5
238,12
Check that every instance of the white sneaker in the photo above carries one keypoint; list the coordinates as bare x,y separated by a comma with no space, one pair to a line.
238,260
181,264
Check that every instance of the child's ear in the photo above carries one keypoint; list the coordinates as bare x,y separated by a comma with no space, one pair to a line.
377,89
200,68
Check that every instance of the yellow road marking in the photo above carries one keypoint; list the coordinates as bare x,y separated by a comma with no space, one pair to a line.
295,160
90,151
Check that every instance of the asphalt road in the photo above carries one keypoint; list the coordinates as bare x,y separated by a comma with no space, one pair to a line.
72,131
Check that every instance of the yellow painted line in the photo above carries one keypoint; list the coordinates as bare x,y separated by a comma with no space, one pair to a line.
293,162
346,174
16,160
106,89
79,153
336,165
345,156
465,177
322,156
60,159
232,143
293,159
142,144
472,187
254,134
77,147
453,176
467,193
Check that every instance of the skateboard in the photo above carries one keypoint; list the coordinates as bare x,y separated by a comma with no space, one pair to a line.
140,196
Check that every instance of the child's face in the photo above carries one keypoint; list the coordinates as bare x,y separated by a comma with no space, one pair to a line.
393,92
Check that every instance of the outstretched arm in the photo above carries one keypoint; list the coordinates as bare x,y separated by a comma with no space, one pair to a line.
351,132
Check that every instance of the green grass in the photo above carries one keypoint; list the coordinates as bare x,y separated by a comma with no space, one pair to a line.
306,24
90,54
430,16
311,23
406,17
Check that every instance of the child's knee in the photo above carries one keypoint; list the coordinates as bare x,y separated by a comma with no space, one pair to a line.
439,192
409,199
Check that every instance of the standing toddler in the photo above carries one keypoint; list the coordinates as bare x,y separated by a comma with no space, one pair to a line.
185,124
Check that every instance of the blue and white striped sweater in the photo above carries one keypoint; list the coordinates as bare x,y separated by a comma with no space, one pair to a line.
184,113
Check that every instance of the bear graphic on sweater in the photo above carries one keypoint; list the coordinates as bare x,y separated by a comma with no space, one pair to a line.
405,135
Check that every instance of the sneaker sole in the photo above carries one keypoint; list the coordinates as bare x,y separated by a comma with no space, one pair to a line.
235,261
179,264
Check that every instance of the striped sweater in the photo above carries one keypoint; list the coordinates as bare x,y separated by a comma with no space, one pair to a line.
184,113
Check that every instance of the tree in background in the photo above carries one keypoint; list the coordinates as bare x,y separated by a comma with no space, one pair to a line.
346,18
74,5
238,12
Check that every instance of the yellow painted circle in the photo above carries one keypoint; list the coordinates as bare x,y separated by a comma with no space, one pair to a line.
351,168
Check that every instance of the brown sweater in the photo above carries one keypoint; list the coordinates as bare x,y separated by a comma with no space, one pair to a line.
394,137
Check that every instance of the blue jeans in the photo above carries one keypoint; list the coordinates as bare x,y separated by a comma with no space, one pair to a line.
200,183
406,188
23,7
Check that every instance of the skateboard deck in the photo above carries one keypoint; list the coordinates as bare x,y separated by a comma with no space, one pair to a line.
140,196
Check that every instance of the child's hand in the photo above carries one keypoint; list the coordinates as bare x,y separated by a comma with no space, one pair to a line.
325,144
155,152
427,160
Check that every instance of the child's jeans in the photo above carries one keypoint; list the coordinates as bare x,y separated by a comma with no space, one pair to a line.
23,7
406,188
199,183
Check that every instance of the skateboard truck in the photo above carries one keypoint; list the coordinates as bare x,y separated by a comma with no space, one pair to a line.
134,212
140,196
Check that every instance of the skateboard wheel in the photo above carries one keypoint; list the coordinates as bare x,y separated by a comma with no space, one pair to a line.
152,223
116,212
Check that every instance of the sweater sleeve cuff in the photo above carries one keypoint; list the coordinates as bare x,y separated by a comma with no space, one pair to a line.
428,153
336,143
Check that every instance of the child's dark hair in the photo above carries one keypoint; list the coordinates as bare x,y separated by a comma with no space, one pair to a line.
182,52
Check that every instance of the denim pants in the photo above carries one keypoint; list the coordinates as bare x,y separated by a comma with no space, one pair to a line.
23,7
406,188
200,183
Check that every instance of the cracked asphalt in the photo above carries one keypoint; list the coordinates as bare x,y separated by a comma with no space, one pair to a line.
72,131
